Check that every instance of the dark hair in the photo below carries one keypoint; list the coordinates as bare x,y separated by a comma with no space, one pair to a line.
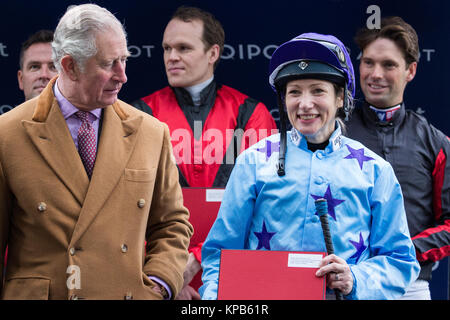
213,32
41,36
397,30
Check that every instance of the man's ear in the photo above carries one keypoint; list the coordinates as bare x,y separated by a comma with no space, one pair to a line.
20,79
70,67
412,68
214,53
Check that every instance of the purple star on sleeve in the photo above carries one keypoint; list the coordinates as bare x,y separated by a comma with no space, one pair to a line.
357,154
359,246
264,237
270,148
332,202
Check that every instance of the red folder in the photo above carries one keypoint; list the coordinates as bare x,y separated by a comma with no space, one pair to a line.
203,205
270,275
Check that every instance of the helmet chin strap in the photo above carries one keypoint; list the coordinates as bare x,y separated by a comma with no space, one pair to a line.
347,106
282,153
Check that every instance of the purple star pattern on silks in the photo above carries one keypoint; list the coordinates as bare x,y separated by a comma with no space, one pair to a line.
332,202
264,237
270,148
357,154
360,247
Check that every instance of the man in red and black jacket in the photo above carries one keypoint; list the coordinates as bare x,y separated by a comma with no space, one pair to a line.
210,123
418,152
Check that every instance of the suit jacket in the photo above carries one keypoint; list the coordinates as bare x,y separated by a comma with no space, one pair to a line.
71,237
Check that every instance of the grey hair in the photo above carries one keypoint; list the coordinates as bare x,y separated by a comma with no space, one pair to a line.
76,32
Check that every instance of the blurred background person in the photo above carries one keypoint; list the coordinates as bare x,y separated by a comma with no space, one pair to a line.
418,152
36,64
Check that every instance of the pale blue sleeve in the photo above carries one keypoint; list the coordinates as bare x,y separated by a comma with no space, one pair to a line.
230,230
392,265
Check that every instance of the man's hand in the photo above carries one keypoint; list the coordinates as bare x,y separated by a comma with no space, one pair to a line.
192,267
188,293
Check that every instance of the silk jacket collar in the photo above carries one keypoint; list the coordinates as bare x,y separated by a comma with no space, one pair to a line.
335,140
370,117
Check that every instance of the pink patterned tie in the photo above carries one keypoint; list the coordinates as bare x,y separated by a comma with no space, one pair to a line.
87,142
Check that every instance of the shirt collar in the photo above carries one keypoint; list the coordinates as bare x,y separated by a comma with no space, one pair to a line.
67,108
335,141
195,91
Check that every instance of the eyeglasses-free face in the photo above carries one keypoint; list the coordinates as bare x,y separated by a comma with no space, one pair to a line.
312,107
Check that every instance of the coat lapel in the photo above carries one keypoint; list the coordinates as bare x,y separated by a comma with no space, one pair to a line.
49,133
117,140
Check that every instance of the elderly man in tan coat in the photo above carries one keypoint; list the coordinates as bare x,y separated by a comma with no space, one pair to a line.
90,205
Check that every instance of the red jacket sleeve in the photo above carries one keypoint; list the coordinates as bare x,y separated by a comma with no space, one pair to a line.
433,244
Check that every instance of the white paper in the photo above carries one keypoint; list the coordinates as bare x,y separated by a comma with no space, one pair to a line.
304,260
214,195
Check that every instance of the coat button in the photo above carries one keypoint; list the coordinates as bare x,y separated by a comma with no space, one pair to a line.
128,296
72,251
124,248
319,180
141,203
42,206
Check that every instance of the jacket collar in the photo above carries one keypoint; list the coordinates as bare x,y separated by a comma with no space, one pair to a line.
47,99
371,118
334,142
206,95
